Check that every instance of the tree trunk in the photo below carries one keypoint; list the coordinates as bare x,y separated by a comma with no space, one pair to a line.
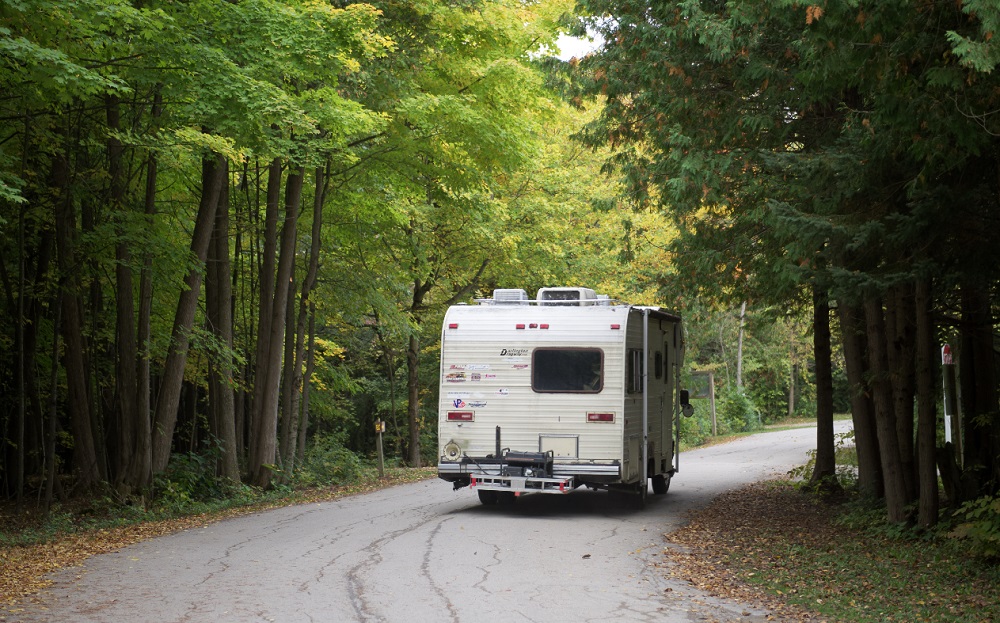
288,420
267,429
218,302
413,395
168,400
901,332
140,471
870,481
310,365
888,440
977,368
265,308
78,398
296,382
825,471
927,514
739,346
127,347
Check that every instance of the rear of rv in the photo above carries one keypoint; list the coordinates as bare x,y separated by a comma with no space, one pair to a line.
533,394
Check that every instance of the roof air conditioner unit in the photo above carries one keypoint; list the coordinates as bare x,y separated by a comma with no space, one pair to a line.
567,296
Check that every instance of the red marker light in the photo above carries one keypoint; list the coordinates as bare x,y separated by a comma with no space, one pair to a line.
453,325
519,326
533,325
616,326
600,417
543,326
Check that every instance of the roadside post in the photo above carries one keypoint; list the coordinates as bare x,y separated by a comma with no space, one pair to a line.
952,423
379,429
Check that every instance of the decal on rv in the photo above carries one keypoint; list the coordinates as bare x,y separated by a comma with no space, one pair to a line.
455,377
513,352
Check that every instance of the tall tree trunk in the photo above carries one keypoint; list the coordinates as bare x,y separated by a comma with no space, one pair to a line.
288,420
888,440
168,400
852,329
265,442
927,513
413,396
296,382
265,308
825,470
310,365
84,447
218,303
127,348
901,332
739,346
140,471
977,367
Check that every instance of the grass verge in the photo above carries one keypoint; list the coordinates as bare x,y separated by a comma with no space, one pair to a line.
808,559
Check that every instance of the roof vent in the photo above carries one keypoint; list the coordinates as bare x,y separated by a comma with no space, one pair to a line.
510,296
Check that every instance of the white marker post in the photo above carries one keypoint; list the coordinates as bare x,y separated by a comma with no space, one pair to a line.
950,399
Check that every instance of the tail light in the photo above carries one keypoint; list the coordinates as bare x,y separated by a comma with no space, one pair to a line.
461,416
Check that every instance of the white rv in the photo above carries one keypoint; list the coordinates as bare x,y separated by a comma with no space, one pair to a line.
565,390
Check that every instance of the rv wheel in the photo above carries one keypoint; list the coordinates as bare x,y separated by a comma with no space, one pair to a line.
661,483
488,498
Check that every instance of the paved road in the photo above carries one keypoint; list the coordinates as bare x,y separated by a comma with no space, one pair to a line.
424,553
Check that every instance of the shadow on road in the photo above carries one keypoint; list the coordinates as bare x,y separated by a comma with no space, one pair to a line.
579,503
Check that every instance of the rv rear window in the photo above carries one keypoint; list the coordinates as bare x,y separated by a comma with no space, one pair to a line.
577,370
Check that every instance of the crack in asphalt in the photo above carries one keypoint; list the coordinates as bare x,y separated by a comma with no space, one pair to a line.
425,570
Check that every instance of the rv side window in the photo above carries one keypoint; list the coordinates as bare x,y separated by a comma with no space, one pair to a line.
578,370
634,371
658,365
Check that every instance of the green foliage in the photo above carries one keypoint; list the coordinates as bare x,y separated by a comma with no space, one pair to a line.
327,463
190,480
736,413
979,525
846,458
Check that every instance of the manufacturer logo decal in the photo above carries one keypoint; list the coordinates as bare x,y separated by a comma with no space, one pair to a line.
455,377
458,402
513,352
478,405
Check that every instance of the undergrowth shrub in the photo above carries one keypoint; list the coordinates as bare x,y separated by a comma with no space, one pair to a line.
979,525
190,480
737,413
328,462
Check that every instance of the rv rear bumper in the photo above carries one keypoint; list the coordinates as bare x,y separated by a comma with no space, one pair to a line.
581,473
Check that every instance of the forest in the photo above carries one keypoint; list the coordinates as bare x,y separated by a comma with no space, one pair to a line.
230,229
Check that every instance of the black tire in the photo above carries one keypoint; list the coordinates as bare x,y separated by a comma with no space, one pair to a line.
661,483
489,498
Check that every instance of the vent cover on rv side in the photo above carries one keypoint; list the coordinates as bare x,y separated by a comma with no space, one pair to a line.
567,296
510,296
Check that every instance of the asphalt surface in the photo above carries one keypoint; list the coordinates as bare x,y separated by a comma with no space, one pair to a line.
424,553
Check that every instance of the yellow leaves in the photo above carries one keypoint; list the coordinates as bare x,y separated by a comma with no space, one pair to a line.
813,13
